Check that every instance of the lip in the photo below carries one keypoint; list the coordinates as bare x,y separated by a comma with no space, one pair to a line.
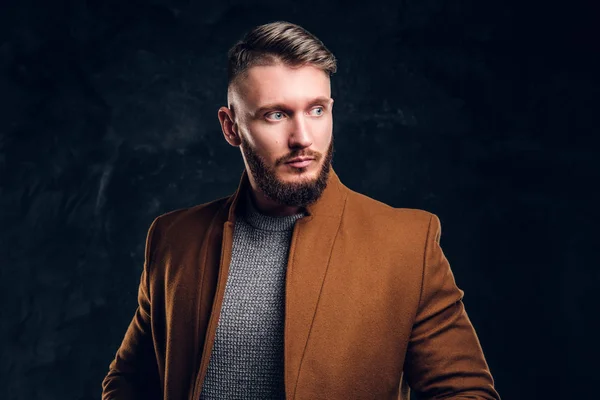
300,162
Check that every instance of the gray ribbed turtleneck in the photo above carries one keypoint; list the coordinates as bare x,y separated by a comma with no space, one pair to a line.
247,357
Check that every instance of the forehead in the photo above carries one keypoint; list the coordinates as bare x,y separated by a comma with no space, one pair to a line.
282,84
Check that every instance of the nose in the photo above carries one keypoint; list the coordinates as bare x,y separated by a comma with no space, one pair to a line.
300,135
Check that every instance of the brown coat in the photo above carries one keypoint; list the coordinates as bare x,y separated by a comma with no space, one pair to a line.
371,306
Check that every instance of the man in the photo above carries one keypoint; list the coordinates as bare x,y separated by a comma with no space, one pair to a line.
295,286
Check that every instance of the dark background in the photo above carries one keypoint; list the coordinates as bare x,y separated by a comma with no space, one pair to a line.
483,112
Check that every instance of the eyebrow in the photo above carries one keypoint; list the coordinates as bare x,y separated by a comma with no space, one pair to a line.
279,106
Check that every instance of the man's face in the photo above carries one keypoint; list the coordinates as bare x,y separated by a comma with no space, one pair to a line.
284,113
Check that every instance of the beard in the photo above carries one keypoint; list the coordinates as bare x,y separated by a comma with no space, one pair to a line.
296,194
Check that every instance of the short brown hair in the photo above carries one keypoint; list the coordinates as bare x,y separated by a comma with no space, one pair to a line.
278,42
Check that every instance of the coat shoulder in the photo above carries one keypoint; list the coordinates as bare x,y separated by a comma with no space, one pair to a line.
367,209
195,220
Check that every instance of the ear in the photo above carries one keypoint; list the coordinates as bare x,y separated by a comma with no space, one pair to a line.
228,126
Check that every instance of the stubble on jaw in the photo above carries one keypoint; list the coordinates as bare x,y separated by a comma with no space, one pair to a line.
295,194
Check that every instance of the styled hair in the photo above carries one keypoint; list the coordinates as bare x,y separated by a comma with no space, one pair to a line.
278,42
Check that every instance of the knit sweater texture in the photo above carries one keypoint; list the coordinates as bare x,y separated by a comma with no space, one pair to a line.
247,357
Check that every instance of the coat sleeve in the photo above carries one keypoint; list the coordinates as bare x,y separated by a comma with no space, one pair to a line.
133,373
444,358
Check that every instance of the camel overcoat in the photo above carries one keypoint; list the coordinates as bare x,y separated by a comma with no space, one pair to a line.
372,309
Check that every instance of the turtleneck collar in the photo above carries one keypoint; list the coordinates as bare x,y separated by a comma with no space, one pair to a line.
251,215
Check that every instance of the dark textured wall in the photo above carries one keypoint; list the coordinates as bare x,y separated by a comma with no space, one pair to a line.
481,112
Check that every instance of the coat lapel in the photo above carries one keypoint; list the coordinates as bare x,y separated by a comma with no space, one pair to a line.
310,249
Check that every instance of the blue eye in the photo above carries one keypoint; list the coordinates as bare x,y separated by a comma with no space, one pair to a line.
276,112
319,108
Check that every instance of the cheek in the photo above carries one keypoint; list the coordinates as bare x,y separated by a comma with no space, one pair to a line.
324,136
269,148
